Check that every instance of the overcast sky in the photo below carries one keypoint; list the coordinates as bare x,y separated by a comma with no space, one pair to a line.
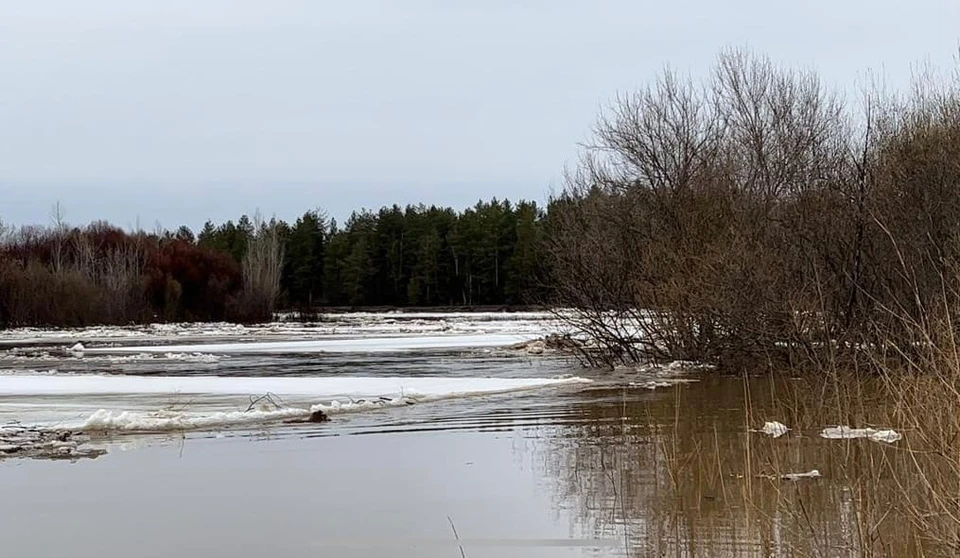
183,111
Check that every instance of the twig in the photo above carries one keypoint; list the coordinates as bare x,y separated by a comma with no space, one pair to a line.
269,397
456,536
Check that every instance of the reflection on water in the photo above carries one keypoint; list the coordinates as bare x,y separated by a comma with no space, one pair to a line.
678,474
603,470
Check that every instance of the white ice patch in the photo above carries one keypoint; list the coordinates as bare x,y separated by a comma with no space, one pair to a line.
814,474
192,357
301,396
315,388
363,345
845,432
175,421
774,429
169,421
662,383
32,372
350,324
80,356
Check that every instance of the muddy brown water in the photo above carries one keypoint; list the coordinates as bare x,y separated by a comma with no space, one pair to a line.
605,469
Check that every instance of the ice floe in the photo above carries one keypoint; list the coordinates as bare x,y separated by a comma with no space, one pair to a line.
774,429
23,442
846,432
812,474
317,388
663,382
302,396
20,356
358,323
355,345
167,421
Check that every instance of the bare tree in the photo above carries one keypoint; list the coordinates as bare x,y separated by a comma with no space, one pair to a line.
60,230
262,268
121,274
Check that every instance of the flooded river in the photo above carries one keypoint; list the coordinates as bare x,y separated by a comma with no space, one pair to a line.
645,462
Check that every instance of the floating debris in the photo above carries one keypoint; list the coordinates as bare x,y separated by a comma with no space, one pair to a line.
552,343
18,441
315,416
537,347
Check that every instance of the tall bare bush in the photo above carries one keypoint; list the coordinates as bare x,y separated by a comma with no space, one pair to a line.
754,217
262,269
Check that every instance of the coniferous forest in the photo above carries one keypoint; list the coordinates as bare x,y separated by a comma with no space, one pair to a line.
244,270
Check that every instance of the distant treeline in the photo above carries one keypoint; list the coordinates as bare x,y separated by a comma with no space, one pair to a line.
59,275
413,256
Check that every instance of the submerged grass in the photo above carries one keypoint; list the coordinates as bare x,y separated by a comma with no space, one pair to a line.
875,499
686,473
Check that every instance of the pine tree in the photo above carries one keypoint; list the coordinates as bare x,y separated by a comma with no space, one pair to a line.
303,275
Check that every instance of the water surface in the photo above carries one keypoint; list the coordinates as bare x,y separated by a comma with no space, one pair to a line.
628,465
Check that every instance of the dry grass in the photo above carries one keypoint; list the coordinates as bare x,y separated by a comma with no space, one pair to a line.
682,474
874,499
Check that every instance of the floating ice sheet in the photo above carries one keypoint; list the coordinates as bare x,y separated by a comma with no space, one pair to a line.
813,474
317,388
774,429
362,323
299,396
360,345
845,432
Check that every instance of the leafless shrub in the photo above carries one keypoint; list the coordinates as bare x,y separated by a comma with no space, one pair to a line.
262,269
754,218
68,277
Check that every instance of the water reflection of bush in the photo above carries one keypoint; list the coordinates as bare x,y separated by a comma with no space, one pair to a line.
679,473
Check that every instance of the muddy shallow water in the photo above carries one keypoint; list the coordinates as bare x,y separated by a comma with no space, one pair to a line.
628,465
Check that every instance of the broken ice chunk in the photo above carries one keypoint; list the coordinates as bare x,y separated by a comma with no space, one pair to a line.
774,429
846,433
